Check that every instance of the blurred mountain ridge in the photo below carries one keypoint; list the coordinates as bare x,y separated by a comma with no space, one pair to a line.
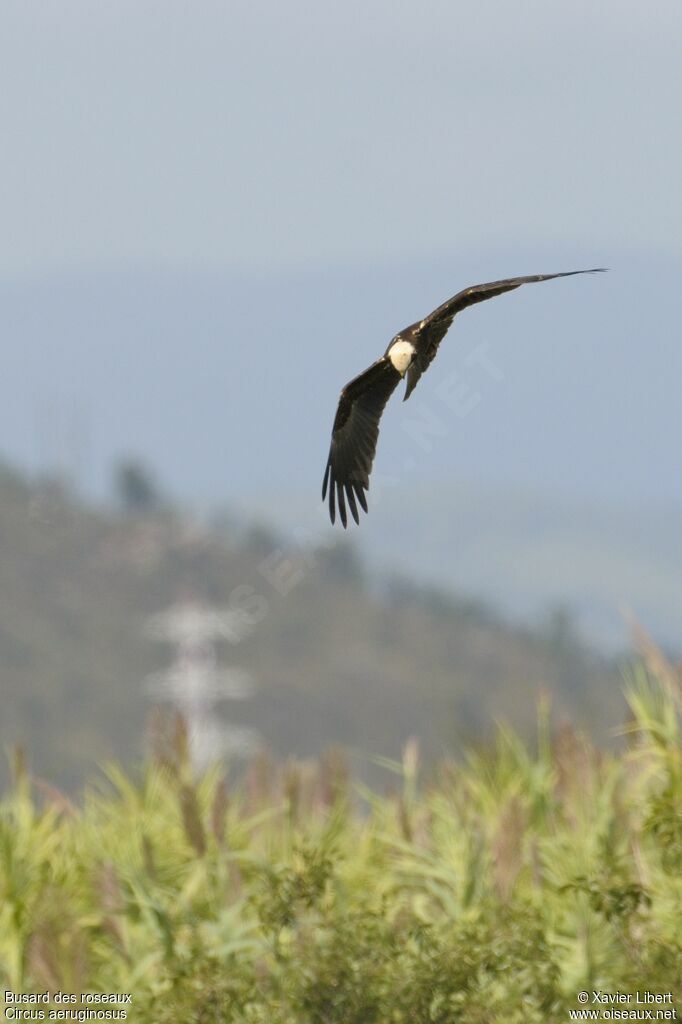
336,658
520,549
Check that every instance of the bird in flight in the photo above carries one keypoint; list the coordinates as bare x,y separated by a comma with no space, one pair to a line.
362,401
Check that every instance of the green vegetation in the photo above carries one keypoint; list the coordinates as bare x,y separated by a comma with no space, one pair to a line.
493,891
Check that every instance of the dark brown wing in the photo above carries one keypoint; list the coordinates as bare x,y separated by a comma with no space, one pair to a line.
354,437
428,334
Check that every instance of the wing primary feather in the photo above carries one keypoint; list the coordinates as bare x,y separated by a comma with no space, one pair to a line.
342,504
332,502
351,503
361,496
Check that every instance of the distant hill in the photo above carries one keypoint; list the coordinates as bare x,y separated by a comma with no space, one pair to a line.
335,659
524,550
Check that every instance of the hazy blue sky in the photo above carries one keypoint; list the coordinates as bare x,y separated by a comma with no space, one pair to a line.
215,214
244,134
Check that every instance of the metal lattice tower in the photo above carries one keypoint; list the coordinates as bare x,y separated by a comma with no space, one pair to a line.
194,683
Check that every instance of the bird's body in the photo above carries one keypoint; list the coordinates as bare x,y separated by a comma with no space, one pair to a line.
362,401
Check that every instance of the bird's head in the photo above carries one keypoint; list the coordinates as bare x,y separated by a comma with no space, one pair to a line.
401,353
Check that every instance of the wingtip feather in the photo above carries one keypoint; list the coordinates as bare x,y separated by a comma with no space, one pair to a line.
332,503
342,506
351,501
361,496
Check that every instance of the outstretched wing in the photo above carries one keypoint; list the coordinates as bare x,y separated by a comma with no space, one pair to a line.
428,333
354,437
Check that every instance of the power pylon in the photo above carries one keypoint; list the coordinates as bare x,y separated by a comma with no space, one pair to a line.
194,683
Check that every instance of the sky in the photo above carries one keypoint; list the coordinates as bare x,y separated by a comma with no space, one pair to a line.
215,214
307,134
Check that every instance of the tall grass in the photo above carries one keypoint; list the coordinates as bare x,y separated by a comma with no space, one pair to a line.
491,890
